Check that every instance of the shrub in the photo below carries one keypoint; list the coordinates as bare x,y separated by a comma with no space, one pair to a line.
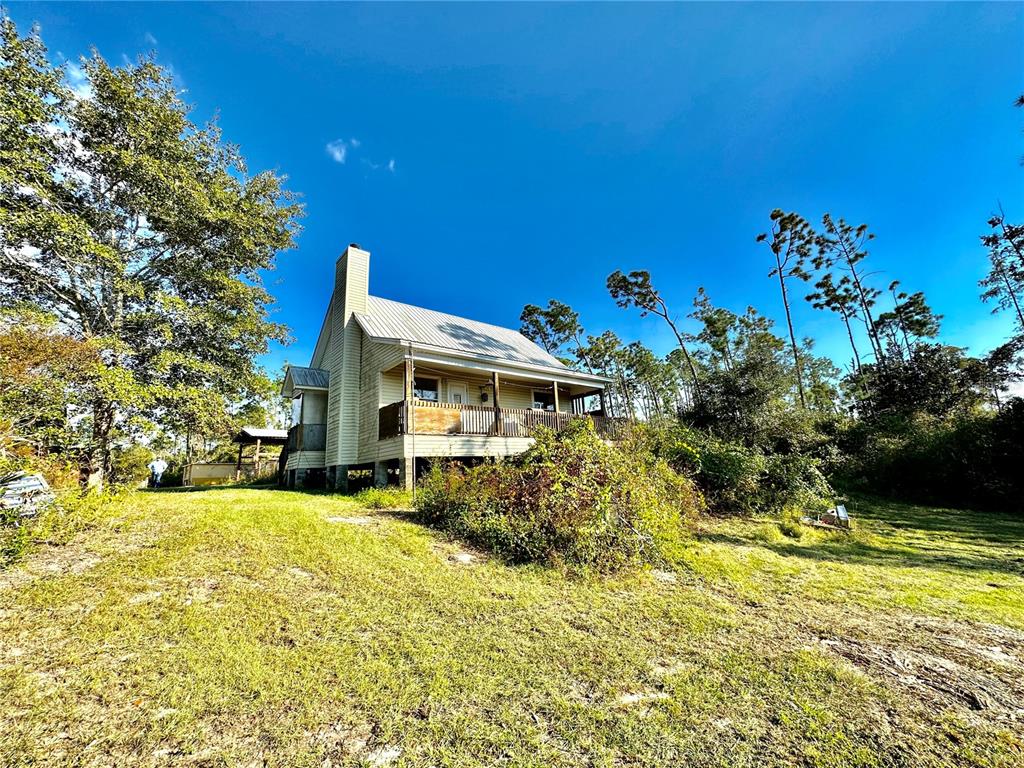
15,536
130,465
736,478
384,498
569,500
968,460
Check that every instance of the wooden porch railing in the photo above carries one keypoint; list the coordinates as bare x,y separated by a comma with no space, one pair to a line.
432,418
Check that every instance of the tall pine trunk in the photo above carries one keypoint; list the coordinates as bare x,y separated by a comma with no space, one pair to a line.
792,335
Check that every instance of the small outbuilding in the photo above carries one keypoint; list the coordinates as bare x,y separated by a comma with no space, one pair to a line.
252,462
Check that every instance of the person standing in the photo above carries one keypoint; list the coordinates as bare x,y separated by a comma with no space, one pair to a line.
156,467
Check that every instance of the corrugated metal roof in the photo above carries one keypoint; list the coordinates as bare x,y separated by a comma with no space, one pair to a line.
258,433
309,377
386,319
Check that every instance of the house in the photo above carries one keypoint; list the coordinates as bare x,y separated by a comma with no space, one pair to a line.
390,384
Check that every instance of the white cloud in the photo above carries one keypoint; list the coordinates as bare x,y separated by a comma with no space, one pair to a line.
151,39
79,81
338,149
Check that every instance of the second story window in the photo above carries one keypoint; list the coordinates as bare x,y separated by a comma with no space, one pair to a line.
426,389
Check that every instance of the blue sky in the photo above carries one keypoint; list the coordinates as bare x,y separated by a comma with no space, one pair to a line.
495,155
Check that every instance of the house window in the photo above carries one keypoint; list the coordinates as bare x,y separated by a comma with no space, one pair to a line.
426,389
543,400
297,410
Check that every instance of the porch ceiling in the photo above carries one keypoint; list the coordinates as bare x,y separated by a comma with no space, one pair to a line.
479,377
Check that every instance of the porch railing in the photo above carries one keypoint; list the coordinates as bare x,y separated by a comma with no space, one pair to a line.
307,437
432,418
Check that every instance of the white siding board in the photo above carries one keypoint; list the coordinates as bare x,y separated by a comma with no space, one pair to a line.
305,460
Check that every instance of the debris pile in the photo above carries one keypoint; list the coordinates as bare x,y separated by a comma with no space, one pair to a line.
24,492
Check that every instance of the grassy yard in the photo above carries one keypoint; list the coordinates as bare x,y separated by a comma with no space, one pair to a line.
247,627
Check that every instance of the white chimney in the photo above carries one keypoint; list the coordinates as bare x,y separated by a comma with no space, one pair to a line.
352,282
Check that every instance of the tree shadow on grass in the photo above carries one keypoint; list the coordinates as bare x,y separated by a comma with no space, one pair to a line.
974,547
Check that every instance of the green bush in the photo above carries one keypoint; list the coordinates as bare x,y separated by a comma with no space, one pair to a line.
130,465
15,536
384,498
969,460
736,478
569,500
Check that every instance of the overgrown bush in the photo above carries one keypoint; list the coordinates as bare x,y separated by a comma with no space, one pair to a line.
969,460
15,535
569,500
739,479
384,498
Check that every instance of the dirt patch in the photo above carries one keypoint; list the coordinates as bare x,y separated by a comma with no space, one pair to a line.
339,743
200,591
936,678
665,577
78,556
640,697
458,554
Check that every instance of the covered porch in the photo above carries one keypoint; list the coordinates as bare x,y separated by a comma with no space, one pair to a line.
434,398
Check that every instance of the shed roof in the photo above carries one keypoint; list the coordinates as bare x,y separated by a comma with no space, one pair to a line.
388,320
249,435
309,378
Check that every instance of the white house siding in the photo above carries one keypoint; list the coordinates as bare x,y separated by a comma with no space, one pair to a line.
392,387
331,361
464,445
377,357
382,450
314,407
305,460
348,439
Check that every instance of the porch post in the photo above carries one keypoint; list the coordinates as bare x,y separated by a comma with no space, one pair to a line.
341,478
410,383
256,460
554,384
499,428
238,466
406,473
380,474
601,395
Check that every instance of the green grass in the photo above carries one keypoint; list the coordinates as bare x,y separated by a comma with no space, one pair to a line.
255,627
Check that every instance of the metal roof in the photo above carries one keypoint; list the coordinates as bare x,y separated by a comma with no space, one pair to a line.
252,434
388,320
309,378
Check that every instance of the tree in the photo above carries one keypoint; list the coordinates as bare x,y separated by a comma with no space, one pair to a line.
42,374
910,315
1004,366
1005,281
717,324
841,299
636,290
934,379
791,242
743,399
553,328
144,235
841,245
605,353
